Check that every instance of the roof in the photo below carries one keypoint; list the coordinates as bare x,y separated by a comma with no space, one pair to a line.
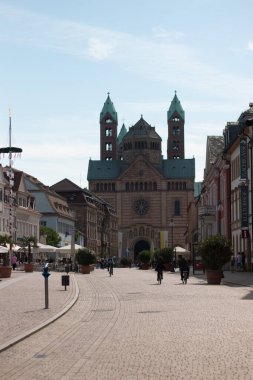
175,107
214,146
179,168
122,133
103,169
142,129
111,170
109,108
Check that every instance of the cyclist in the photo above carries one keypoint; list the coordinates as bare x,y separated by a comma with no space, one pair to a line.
159,268
184,267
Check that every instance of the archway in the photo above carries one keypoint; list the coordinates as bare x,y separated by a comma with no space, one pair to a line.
140,246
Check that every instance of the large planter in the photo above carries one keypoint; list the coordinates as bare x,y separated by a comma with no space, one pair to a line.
145,266
5,272
85,269
213,276
29,267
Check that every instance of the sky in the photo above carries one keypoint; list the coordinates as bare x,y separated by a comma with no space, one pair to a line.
60,58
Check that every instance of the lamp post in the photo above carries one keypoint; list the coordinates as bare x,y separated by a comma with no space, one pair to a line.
172,225
11,196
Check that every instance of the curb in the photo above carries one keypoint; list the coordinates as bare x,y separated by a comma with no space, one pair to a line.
28,333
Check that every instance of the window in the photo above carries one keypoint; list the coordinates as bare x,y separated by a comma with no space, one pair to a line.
108,146
177,208
108,132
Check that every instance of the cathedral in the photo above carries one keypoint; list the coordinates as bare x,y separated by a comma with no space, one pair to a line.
150,194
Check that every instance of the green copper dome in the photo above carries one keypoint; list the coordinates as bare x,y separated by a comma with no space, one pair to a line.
175,106
109,108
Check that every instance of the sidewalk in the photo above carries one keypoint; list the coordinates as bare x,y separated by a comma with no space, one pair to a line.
236,278
22,304
22,301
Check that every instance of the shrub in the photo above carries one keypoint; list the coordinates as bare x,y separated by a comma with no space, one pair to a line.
85,257
166,254
144,257
125,261
215,251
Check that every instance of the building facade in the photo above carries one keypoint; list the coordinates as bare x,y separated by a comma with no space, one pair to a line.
150,194
95,219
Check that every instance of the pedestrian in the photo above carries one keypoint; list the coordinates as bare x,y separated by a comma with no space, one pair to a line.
232,264
238,261
243,261
14,261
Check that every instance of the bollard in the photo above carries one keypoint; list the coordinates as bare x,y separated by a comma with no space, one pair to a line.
46,275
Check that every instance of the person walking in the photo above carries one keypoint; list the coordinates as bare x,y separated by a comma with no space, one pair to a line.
14,260
232,264
238,261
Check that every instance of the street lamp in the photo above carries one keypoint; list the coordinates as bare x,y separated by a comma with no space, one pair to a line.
172,225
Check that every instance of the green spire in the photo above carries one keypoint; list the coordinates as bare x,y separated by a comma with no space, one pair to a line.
122,133
175,106
109,108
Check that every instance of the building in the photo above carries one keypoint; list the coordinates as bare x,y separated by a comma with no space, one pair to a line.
55,211
150,194
95,219
23,213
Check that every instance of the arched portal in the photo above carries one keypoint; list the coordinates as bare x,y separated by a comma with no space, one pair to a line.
140,245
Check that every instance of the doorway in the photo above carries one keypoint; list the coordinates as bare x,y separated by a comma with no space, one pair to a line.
141,245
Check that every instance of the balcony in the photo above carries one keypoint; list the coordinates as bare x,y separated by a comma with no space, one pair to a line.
207,210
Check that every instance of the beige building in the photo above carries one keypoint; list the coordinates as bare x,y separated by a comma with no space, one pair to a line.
150,194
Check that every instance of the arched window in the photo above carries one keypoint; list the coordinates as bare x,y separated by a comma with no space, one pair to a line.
177,208
108,132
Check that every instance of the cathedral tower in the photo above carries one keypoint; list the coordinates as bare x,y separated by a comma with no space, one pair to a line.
175,120
108,131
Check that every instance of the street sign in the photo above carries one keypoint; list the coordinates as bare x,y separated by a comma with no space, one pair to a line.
245,233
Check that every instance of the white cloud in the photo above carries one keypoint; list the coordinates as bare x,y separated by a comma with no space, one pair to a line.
99,49
250,45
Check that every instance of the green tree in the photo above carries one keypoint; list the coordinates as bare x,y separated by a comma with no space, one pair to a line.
27,242
4,240
52,237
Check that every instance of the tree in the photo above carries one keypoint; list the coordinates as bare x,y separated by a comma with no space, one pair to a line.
27,242
4,240
52,237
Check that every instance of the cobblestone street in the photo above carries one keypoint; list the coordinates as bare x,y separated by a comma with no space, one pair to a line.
129,327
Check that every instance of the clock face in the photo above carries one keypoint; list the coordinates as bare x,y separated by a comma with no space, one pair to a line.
141,206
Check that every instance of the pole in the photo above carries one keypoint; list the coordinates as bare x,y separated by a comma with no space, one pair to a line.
46,292
46,275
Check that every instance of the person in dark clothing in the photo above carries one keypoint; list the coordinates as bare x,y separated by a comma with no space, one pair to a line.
159,268
184,267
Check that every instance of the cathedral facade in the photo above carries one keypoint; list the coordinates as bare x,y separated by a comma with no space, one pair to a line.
150,194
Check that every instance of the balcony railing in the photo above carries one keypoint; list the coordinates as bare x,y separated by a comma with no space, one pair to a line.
207,210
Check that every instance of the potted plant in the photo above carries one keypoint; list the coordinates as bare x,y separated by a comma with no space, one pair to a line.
215,252
167,256
125,262
85,258
27,243
5,268
144,257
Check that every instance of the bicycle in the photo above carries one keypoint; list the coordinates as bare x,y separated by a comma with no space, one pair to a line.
185,277
159,277
111,270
